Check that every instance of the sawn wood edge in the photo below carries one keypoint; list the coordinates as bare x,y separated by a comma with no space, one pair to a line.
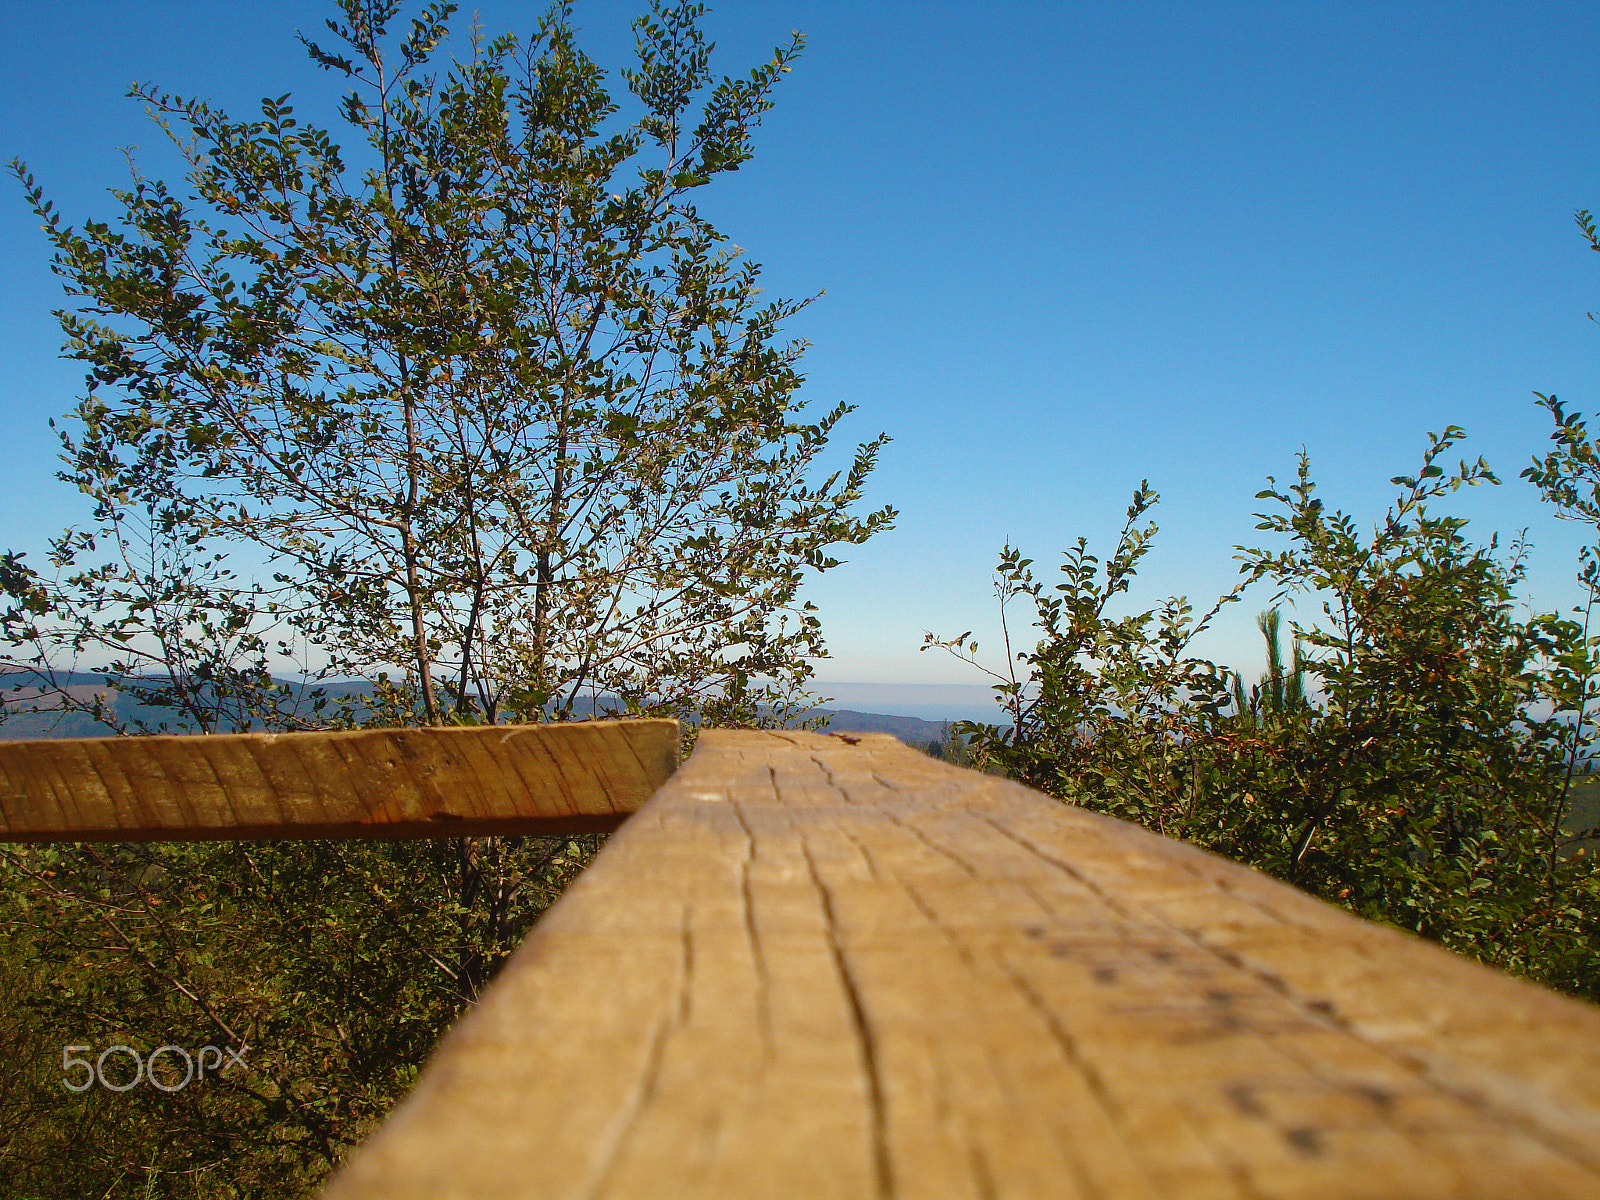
508,779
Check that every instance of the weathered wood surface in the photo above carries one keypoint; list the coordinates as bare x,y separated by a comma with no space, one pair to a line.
511,779
810,968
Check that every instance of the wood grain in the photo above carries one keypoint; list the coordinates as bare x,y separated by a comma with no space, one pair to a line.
819,967
509,779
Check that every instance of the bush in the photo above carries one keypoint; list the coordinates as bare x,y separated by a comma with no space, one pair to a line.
337,963
1421,782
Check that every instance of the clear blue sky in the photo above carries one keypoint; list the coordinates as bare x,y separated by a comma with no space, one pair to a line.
1065,247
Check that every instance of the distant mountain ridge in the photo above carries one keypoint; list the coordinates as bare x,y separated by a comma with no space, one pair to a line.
914,731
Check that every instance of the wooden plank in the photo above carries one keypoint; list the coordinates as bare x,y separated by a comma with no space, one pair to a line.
818,967
506,779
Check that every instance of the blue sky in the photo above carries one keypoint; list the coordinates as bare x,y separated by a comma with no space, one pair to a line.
1065,247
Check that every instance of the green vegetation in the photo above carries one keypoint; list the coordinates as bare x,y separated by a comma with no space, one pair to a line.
515,441
1424,781
337,963
951,747
507,426
505,421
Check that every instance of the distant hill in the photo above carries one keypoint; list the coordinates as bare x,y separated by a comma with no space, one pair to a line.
84,686
19,726
913,731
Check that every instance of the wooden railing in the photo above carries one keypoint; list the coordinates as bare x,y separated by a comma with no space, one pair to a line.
828,966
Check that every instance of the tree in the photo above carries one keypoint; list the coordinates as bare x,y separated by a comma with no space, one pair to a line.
493,417
484,425
1280,692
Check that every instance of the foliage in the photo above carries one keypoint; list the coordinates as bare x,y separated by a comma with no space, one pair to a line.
1422,782
1441,756
486,425
495,416
184,635
338,963
1106,706
1280,693
950,747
